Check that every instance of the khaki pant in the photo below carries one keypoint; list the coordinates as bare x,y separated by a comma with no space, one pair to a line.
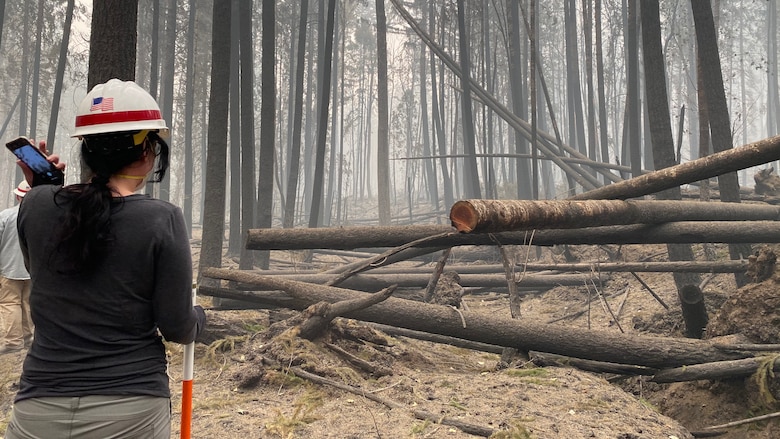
91,417
15,312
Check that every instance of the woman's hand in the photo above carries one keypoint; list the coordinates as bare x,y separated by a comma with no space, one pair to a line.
53,159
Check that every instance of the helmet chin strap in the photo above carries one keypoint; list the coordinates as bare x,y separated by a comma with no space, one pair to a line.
131,177
131,183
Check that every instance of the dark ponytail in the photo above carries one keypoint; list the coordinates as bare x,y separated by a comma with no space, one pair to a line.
85,231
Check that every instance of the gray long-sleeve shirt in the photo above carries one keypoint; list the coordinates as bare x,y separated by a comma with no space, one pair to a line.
11,261
97,333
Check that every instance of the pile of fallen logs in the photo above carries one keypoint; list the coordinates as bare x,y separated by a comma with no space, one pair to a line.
601,216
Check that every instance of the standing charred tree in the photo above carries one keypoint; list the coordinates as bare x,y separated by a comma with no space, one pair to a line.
112,41
247,85
214,202
720,126
522,170
36,71
661,133
234,146
167,78
335,137
602,107
189,104
2,17
587,23
773,95
532,35
470,168
573,90
315,218
61,62
632,148
294,159
265,179
383,147
112,46
430,169
436,115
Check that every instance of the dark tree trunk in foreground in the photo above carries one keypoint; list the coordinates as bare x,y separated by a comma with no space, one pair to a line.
112,41
470,169
294,161
265,178
383,146
214,203
189,110
247,85
720,126
323,106
660,125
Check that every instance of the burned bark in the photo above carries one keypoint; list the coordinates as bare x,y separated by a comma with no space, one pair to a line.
713,371
392,236
727,266
373,282
483,216
318,316
745,156
657,352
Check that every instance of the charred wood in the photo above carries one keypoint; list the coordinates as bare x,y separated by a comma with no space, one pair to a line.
713,371
482,216
728,266
373,282
392,236
713,165
657,352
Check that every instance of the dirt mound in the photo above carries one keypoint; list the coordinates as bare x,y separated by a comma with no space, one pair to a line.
753,312
409,388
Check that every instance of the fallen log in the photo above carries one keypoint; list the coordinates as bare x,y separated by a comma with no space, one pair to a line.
713,371
728,266
691,232
380,259
640,350
544,359
319,315
441,339
373,282
483,216
713,165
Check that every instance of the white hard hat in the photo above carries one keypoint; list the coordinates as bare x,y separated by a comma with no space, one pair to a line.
22,189
117,106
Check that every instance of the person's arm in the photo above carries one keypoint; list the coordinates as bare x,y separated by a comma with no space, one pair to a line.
177,319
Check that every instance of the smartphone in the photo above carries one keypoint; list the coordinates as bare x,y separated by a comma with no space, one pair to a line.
44,172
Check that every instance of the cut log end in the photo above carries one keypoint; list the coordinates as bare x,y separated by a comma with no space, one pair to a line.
464,217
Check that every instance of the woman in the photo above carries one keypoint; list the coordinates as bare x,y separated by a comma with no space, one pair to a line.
111,271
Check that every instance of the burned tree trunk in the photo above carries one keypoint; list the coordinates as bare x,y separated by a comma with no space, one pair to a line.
728,266
745,156
392,236
483,216
609,346
373,282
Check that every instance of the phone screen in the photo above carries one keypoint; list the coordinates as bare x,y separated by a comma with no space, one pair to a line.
43,171
33,158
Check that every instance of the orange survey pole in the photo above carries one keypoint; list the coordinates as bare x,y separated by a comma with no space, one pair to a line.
186,384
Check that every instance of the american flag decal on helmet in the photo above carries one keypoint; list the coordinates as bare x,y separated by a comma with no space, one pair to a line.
102,104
